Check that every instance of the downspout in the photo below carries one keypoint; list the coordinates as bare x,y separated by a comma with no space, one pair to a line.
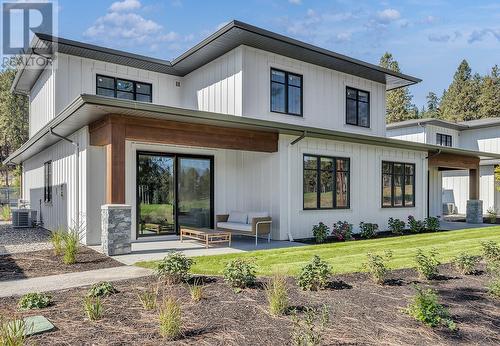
289,175
77,174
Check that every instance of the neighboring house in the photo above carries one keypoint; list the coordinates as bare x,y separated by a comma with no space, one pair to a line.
246,120
481,135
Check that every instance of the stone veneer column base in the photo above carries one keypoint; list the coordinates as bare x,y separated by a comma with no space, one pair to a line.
474,213
116,226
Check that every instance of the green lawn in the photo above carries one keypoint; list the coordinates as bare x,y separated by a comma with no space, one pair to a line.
348,256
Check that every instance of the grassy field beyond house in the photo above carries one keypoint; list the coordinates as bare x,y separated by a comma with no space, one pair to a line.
348,257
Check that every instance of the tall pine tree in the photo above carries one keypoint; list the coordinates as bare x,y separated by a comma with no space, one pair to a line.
460,101
489,96
432,106
398,101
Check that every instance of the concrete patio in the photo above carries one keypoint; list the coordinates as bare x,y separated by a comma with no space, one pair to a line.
148,250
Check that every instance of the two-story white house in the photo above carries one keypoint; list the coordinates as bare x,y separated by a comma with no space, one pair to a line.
246,120
481,135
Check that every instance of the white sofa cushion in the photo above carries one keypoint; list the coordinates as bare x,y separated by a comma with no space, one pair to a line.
255,214
237,216
237,226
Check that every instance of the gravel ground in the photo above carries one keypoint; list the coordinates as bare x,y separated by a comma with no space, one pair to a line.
23,239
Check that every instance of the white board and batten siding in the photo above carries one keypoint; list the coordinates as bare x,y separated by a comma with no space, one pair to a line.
485,139
410,133
41,100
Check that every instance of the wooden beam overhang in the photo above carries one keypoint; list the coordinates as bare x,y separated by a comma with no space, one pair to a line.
113,130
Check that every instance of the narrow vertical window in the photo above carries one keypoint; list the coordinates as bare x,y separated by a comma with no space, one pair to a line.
357,107
398,184
47,182
286,92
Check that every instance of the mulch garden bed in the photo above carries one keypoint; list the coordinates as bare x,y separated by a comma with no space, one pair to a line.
361,312
43,263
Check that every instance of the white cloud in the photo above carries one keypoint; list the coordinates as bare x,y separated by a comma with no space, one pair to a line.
388,15
439,37
125,5
343,37
295,2
479,35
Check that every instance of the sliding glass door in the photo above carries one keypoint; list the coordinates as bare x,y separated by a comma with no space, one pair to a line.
173,191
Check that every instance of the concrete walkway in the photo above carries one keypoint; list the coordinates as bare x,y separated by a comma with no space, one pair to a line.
70,280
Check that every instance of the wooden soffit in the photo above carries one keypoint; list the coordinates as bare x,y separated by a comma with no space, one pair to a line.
452,161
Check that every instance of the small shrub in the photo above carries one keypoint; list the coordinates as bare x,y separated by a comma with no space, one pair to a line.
377,266
314,275
427,265
432,223
71,241
34,301
196,292
12,332
239,273
148,299
416,226
368,230
174,268
102,289
57,239
93,308
465,264
426,309
310,330
6,212
494,287
491,251
277,295
320,232
396,226
492,215
342,230
170,318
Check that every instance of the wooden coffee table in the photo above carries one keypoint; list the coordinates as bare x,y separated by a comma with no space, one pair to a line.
206,235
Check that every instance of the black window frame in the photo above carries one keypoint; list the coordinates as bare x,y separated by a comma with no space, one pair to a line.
357,106
444,139
115,88
47,181
286,84
318,181
404,175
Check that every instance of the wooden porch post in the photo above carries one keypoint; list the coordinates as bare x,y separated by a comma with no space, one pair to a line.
474,183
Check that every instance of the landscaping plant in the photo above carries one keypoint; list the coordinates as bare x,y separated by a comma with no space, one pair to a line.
427,264
491,255
148,299
320,232
416,226
314,275
93,308
396,226
494,287
12,332
376,265
432,223
239,273
174,268
57,239
368,230
310,330
34,301
277,295
426,309
465,264
102,289
170,318
342,230
71,241
196,292
6,213
492,215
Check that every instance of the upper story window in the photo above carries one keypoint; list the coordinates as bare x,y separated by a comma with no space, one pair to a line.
326,182
123,89
286,92
444,140
47,182
398,184
357,107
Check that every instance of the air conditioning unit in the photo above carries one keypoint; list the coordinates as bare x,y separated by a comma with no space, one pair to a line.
23,218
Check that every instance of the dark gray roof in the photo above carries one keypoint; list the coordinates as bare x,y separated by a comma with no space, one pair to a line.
462,125
230,36
86,109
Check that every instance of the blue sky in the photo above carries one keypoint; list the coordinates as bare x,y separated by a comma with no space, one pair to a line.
428,38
